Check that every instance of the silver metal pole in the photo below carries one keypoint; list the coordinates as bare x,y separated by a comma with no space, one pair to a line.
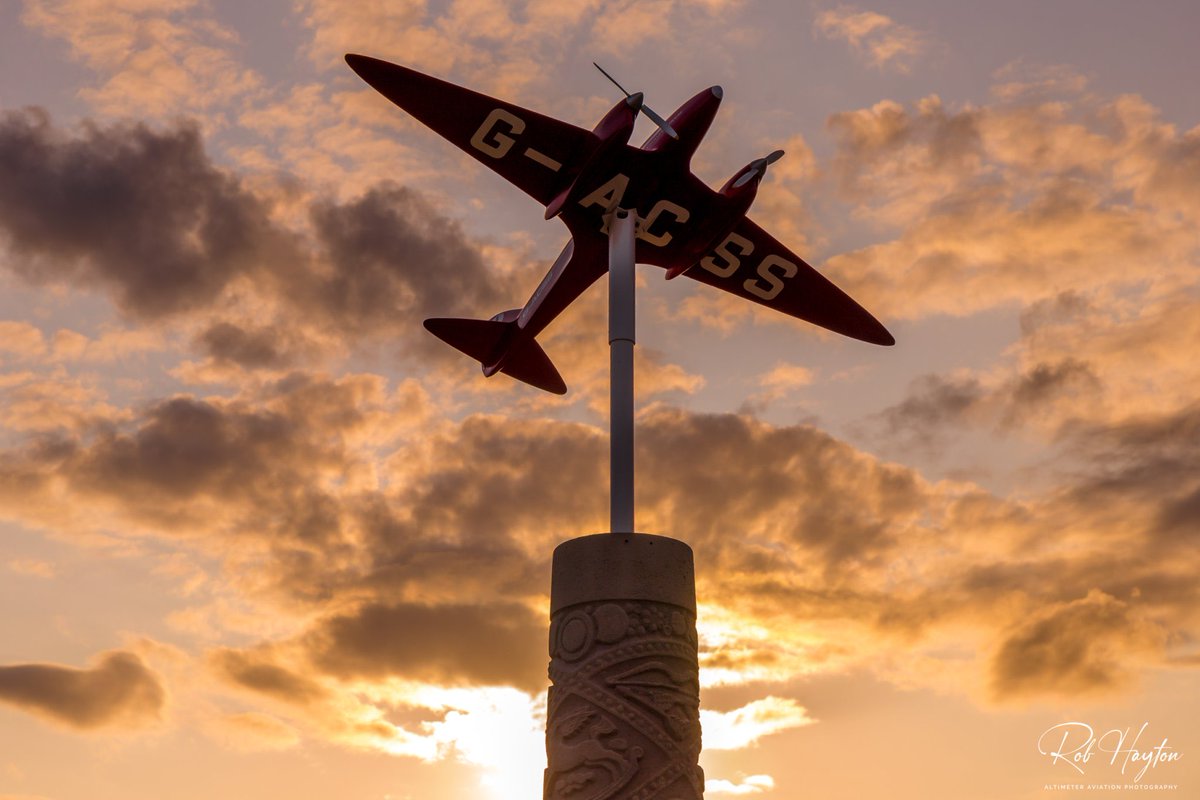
622,229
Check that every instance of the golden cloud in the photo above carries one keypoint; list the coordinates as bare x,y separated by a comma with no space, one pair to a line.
883,42
1083,647
1012,203
156,58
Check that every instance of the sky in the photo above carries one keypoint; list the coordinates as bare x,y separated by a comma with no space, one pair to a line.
263,536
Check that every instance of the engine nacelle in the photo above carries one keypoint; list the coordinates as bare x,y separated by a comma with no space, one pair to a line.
736,196
612,132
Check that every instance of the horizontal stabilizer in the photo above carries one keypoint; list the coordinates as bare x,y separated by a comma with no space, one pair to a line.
530,364
483,340
478,338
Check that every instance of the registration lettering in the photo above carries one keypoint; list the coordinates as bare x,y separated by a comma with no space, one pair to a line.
723,262
766,283
677,211
497,125
769,282
608,196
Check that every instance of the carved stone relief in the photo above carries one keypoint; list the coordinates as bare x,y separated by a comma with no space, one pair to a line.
624,707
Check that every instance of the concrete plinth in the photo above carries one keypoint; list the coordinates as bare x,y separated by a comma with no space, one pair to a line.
624,705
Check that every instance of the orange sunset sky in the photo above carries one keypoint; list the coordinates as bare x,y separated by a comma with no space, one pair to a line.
263,536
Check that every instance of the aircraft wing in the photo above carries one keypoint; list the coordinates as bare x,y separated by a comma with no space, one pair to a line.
752,264
532,151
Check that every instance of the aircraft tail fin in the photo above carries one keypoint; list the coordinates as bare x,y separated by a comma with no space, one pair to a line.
482,339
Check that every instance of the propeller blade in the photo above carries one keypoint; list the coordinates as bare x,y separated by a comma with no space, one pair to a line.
756,166
649,112
660,122
747,176
611,78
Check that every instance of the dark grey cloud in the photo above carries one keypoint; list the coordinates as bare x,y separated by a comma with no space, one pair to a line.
937,406
390,252
145,215
1063,307
1146,469
933,403
494,644
207,469
120,690
142,213
188,454
229,343
1044,385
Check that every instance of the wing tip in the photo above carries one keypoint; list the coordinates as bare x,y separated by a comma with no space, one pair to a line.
374,71
884,338
871,331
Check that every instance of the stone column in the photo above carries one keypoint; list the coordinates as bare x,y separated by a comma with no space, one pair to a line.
623,717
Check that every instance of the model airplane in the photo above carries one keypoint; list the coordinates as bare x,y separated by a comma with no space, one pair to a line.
581,176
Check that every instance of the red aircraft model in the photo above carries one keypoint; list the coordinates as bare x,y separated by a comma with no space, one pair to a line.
581,176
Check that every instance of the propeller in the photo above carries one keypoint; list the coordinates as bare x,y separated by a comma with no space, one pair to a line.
649,112
756,166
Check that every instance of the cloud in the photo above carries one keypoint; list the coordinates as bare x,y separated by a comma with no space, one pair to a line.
1084,361
1048,396
145,215
119,691
391,253
384,706
622,27
1025,80
33,567
1013,203
49,401
782,380
783,377
21,340
1078,648
188,449
498,644
811,555
1130,344
1142,471
883,42
258,672
733,469
156,58
502,48
903,160
751,784
141,213
229,343
251,476
253,731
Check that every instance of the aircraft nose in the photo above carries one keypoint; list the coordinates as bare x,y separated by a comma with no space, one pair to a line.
717,92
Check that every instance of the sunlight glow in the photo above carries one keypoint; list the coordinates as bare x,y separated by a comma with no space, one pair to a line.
742,727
